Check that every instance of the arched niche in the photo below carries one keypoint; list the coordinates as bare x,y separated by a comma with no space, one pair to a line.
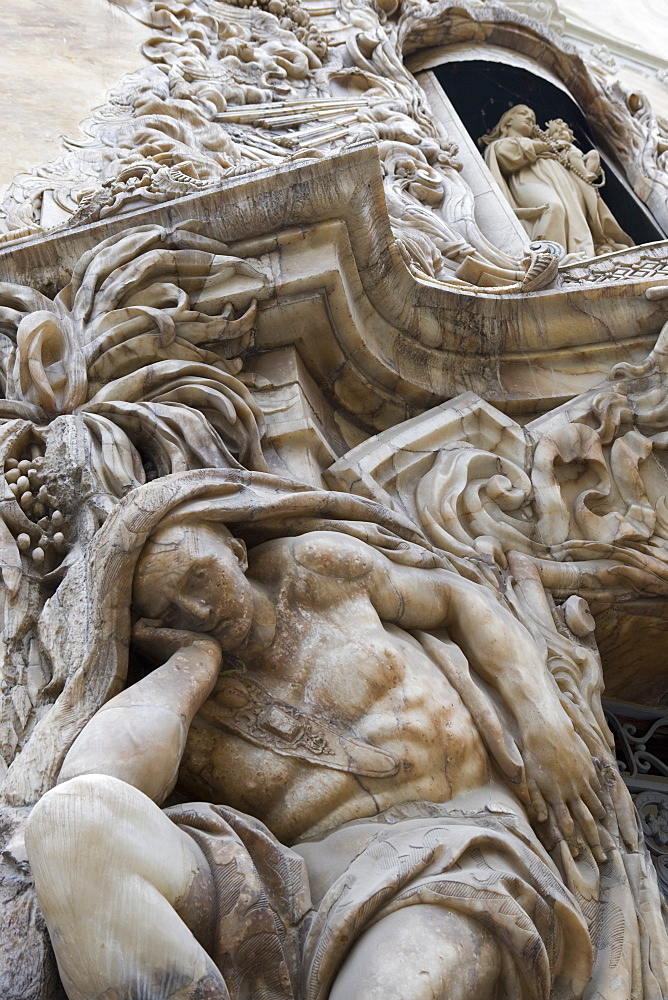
523,61
480,83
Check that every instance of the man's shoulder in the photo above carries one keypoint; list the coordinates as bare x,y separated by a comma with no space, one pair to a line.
332,554
325,553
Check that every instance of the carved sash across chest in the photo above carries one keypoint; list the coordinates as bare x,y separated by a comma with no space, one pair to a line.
244,707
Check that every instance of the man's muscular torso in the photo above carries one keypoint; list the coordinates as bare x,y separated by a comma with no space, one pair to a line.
333,658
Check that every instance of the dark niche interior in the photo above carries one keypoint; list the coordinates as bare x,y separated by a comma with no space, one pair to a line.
481,91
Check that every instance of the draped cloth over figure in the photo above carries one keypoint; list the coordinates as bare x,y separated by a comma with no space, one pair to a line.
271,942
485,863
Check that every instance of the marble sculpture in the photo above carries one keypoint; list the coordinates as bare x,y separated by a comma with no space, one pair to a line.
553,187
334,722
310,495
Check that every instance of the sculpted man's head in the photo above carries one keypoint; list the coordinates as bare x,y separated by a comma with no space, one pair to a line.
191,576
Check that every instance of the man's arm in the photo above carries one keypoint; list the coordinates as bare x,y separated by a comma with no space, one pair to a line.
562,782
139,736
561,779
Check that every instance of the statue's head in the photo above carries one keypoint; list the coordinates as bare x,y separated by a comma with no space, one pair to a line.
192,576
559,130
518,120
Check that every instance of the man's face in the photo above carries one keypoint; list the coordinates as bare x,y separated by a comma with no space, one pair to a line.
206,589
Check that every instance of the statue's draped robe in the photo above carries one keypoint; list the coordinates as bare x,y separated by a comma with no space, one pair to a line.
539,188
270,941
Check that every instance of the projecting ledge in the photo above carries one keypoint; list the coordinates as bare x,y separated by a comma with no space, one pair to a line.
320,229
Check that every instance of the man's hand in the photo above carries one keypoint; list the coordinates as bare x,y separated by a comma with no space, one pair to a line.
139,735
189,664
564,787
159,643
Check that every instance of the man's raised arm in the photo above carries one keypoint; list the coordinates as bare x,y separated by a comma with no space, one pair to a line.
139,735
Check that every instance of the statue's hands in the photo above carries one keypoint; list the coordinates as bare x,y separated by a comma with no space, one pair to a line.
159,643
564,787
542,148
188,666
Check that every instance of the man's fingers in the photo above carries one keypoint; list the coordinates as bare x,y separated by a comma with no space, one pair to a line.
562,828
538,804
593,799
565,822
587,824
551,834
625,814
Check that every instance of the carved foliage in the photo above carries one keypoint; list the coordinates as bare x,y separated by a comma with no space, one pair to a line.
126,375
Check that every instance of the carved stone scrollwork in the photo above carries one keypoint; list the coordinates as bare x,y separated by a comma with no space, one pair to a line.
652,808
234,89
384,658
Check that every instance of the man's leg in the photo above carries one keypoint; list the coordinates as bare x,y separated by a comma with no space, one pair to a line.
116,879
421,952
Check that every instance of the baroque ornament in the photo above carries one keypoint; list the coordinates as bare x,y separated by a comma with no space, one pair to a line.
237,88
299,660
158,514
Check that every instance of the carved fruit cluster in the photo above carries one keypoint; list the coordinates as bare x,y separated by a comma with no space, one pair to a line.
25,482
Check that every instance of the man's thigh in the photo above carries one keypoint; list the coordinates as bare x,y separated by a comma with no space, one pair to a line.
422,952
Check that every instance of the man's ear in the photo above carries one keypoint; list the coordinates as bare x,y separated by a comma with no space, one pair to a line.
239,549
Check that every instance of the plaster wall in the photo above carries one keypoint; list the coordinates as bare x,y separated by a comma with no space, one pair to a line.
59,60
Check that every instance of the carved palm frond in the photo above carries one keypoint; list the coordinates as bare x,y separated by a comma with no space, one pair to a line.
128,374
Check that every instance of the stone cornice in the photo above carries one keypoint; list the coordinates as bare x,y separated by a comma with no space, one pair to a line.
321,230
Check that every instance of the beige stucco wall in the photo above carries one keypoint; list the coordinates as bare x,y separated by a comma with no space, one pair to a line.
641,23
59,59
635,32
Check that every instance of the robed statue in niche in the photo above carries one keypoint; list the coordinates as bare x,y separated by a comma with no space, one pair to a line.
551,184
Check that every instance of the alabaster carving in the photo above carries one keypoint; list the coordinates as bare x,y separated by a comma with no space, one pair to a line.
578,491
236,89
319,733
313,822
301,693
551,184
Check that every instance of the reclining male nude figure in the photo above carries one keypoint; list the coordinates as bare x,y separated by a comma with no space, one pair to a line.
319,622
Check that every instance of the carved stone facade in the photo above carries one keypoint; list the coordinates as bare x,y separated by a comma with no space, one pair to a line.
331,505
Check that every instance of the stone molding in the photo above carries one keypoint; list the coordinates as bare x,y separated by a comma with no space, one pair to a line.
235,90
406,341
